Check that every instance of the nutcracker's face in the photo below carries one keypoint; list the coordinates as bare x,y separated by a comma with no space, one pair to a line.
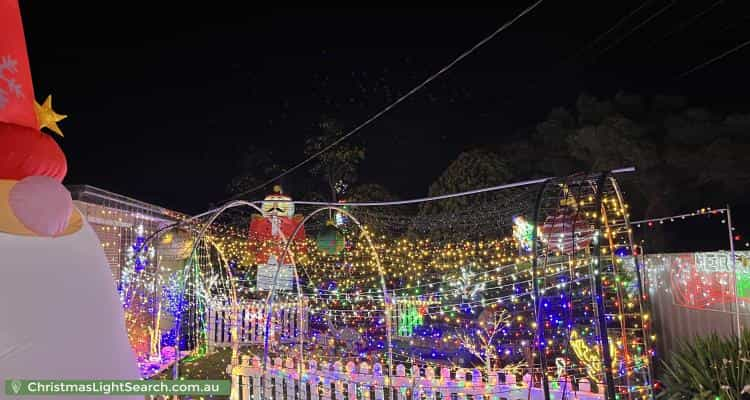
278,205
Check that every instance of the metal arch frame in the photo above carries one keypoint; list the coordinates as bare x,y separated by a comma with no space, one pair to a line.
596,282
148,242
598,185
224,260
535,283
271,294
177,225
597,293
162,230
233,291
182,289
566,195
618,289
581,187
638,271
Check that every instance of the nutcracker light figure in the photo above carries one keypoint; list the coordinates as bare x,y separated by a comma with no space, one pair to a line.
268,237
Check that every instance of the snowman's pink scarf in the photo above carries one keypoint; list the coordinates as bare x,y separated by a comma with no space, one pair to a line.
41,204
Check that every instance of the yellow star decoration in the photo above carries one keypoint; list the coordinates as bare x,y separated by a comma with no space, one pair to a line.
47,117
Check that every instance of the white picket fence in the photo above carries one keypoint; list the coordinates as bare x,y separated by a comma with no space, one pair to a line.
348,382
251,324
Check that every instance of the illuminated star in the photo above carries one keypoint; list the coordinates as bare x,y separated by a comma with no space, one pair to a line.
47,117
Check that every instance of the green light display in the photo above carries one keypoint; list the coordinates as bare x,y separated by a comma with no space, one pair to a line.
409,318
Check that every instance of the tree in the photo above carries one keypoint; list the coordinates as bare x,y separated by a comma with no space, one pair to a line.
681,154
372,217
475,169
710,152
336,167
256,166
370,192
480,341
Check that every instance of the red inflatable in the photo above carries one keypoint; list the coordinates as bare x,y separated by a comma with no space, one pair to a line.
29,152
566,233
24,150
16,89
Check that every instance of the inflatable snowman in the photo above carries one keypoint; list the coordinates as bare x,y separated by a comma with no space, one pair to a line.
61,317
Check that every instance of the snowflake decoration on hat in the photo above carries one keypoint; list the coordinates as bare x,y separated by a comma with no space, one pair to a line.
11,86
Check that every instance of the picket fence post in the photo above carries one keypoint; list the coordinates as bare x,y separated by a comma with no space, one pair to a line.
379,380
282,380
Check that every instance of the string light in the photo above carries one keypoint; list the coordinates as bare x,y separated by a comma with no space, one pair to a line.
447,290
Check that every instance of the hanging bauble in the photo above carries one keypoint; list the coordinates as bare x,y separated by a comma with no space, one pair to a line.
175,245
330,240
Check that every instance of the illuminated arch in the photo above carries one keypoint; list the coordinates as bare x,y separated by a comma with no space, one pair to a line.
234,306
269,299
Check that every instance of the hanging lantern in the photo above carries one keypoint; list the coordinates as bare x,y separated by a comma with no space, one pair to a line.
330,240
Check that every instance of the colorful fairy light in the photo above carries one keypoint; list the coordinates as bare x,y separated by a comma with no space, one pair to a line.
464,280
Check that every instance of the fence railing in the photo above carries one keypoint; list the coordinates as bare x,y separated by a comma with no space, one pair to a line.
251,324
284,381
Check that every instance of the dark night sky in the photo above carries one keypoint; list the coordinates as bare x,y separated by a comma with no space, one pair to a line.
162,101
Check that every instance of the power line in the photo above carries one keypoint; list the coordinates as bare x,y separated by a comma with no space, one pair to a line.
612,28
592,43
386,203
637,27
394,104
690,21
534,84
440,197
713,60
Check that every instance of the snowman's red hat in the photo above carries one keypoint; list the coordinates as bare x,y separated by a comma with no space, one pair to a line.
24,149
32,165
